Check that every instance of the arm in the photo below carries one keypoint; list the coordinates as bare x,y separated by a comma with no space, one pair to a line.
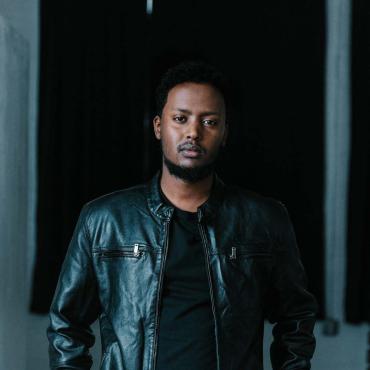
75,305
290,305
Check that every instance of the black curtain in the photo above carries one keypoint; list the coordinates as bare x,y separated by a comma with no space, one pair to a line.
358,245
90,123
271,51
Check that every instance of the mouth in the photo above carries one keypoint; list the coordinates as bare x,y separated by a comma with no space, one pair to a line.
191,153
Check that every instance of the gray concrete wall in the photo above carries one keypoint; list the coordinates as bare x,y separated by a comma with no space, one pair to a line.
23,17
18,111
14,77
337,152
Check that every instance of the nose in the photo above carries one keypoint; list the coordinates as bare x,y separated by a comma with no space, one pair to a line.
194,130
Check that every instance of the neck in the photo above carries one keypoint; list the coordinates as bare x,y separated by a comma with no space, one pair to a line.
184,195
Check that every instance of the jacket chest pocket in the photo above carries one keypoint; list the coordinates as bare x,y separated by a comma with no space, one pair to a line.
254,259
124,272
245,270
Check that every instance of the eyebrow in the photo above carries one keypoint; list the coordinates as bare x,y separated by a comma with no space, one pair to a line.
209,113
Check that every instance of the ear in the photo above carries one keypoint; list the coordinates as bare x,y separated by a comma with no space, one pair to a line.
226,133
157,127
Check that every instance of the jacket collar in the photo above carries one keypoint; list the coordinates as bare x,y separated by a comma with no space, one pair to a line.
163,210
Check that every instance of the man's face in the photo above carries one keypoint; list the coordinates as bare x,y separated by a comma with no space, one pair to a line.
192,129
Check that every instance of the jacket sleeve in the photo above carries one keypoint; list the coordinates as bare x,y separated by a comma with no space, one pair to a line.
291,307
75,305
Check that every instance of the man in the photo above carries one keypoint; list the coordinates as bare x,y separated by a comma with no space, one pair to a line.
182,270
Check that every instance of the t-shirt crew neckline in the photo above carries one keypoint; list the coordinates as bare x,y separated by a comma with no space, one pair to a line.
182,213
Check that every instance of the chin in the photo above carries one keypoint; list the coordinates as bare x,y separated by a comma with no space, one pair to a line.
188,171
194,164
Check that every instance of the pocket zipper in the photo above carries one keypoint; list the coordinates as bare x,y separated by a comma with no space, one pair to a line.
246,252
128,251
232,256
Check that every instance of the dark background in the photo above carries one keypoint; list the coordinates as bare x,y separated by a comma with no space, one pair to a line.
99,67
357,304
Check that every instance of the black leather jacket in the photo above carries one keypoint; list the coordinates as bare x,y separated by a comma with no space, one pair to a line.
114,270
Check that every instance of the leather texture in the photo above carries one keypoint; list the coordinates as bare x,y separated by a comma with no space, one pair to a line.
113,271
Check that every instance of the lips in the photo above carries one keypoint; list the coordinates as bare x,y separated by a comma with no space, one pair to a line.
191,150
191,153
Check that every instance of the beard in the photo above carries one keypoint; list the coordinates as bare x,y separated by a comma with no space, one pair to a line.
191,174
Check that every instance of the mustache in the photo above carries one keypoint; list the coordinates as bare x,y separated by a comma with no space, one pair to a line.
190,146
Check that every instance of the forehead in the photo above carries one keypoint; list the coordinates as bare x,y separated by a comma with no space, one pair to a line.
191,95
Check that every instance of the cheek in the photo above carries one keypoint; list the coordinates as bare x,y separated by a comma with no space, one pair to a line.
216,143
169,146
216,150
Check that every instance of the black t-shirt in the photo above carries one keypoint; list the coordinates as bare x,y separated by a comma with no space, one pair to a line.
186,327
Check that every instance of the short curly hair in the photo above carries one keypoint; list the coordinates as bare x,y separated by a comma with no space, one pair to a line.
189,71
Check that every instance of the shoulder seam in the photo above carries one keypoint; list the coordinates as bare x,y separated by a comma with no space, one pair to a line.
85,227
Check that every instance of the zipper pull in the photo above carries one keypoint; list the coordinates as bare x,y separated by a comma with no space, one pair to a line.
136,250
199,214
232,256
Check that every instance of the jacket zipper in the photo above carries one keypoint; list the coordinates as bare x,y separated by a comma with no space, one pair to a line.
159,294
206,253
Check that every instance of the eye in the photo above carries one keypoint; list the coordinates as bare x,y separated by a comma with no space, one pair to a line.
179,118
209,122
